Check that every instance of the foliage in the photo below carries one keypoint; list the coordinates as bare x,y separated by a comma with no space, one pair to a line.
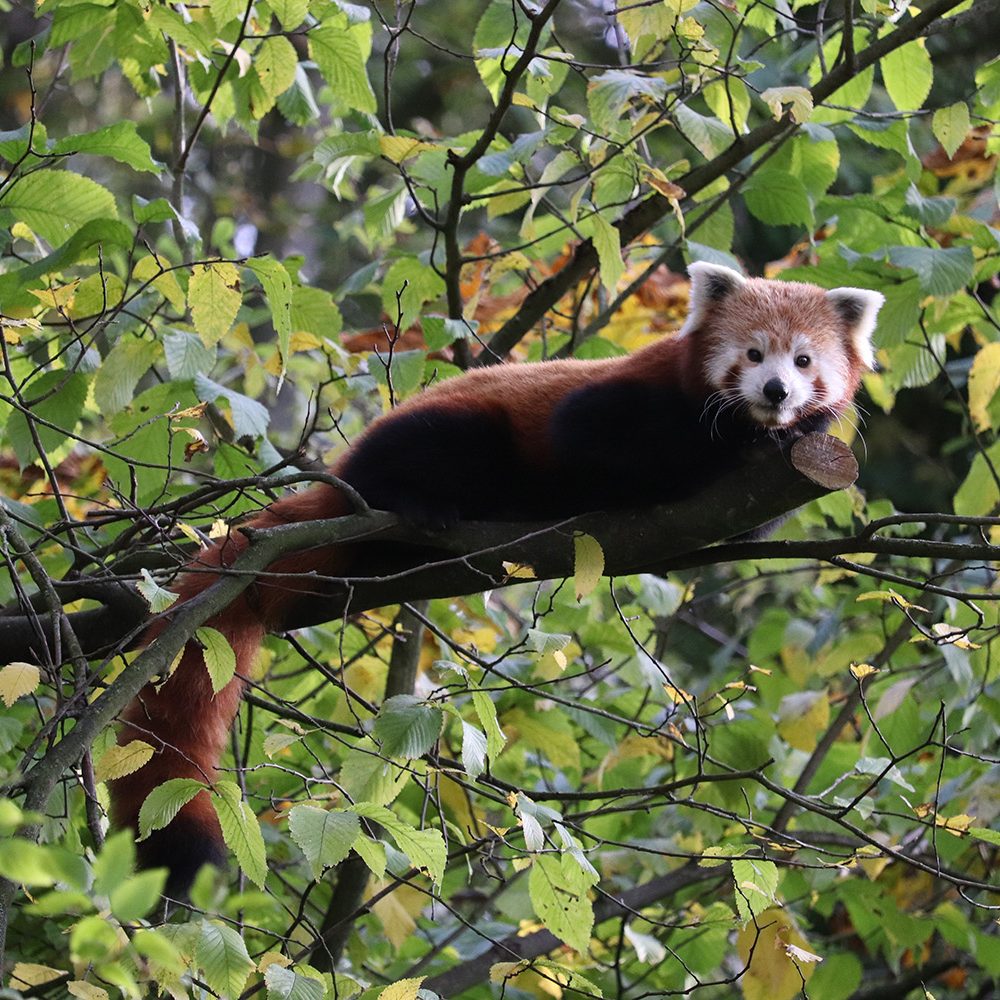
777,773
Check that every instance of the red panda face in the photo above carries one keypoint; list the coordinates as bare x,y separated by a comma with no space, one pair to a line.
779,351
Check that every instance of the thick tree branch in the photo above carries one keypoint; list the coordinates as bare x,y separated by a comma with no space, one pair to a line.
397,563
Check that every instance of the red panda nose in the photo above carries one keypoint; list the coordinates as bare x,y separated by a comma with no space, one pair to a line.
775,391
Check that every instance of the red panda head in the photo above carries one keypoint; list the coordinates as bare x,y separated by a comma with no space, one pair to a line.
781,349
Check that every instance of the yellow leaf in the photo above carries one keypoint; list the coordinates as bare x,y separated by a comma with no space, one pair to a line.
29,974
984,380
519,571
56,298
405,989
677,695
798,98
272,958
400,147
859,671
86,991
16,680
214,298
117,761
771,951
802,717
889,596
955,824
588,564
153,270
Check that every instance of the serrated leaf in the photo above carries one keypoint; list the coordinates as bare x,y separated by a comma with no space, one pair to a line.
558,888
119,141
799,100
486,710
426,849
32,974
119,374
119,760
158,598
220,660
588,564
214,299
274,743
240,830
372,853
278,288
55,397
291,13
337,50
908,74
407,727
405,989
730,101
284,984
55,204
756,882
83,990
607,243
250,418
153,269
323,836
776,963
951,125
17,680
186,354
415,283
473,750
942,271
223,958
984,380
164,802
314,311
274,62
778,198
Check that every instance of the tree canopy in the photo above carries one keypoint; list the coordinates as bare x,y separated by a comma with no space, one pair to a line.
620,756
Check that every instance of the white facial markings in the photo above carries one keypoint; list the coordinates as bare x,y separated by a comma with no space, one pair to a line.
774,384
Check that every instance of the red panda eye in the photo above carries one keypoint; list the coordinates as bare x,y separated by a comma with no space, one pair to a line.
802,361
755,356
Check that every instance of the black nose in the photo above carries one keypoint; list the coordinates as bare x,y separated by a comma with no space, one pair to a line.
775,391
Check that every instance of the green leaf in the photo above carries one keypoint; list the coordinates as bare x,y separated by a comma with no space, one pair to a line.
558,887
283,984
223,958
187,356
115,862
119,374
158,598
415,283
278,289
951,125
426,849
56,401
941,271
755,883
220,660
119,141
164,802
314,311
275,63
979,494
214,299
372,852
368,778
136,897
778,198
250,418
407,726
908,74
607,243
708,135
336,47
610,92
55,204
473,750
291,13
324,837
487,712
240,830
729,100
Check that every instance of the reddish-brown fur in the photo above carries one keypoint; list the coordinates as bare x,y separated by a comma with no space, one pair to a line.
188,726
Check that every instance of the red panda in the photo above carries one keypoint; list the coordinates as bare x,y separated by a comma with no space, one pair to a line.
518,442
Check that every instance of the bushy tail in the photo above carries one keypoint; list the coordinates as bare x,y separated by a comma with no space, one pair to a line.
186,723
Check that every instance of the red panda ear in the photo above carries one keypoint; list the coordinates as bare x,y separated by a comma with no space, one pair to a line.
710,283
858,308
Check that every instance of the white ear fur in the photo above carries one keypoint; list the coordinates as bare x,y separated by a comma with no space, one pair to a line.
709,283
858,307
